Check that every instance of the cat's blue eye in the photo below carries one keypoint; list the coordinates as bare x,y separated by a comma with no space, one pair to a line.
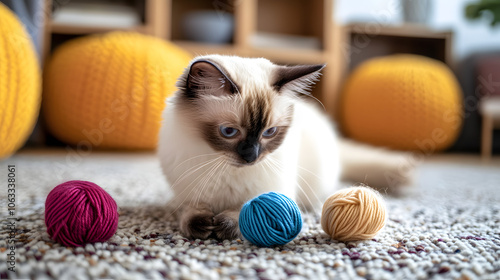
228,132
270,132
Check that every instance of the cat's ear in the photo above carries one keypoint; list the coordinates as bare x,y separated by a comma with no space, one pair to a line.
207,78
296,78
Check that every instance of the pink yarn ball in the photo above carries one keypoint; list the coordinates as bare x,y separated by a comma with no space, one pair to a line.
80,212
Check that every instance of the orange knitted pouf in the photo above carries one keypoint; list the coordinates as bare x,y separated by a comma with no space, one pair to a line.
20,83
406,102
109,90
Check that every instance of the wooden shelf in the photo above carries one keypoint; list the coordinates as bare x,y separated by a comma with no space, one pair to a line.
404,30
197,48
312,19
302,56
76,29
298,56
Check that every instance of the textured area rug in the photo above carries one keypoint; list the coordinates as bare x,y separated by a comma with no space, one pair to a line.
447,226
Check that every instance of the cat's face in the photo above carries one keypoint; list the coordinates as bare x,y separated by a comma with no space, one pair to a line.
242,107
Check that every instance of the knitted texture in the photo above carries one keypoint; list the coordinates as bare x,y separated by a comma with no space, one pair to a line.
109,90
404,102
19,83
270,219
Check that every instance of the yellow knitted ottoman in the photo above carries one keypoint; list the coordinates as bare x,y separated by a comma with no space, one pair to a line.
109,90
406,102
19,83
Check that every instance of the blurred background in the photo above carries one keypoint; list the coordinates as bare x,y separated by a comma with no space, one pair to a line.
463,34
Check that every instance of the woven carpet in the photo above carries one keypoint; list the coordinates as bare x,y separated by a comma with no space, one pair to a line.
446,227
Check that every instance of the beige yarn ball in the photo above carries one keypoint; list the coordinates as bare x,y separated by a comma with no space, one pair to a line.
354,213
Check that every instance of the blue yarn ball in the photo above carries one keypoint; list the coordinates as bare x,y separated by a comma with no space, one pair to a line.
270,219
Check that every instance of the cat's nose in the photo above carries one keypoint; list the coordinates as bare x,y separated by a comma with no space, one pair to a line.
249,151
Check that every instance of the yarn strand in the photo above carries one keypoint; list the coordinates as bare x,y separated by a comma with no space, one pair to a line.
80,212
354,213
270,219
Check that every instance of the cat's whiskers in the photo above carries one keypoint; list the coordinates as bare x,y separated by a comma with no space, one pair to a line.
308,171
317,100
265,162
192,170
298,185
278,165
215,187
205,182
224,168
308,185
198,156
275,169
184,175
311,173
197,179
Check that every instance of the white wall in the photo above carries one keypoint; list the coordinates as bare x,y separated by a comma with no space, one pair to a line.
470,36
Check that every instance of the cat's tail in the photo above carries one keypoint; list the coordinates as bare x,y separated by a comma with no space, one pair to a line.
379,168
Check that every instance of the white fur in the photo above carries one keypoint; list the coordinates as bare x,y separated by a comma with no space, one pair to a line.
308,160
308,157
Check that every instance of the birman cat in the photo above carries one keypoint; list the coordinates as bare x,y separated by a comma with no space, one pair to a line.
239,127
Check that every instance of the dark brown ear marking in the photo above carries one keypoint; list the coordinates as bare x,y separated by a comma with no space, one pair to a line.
298,77
205,77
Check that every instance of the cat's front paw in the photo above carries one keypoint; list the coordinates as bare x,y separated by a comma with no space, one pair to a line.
198,225
226,225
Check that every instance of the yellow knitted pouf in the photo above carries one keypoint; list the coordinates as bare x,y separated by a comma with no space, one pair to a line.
19,83
109,90
404,102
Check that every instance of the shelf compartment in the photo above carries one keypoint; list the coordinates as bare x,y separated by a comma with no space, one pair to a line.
292,18
366,43
182,8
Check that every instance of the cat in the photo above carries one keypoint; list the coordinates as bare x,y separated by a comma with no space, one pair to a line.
239,127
